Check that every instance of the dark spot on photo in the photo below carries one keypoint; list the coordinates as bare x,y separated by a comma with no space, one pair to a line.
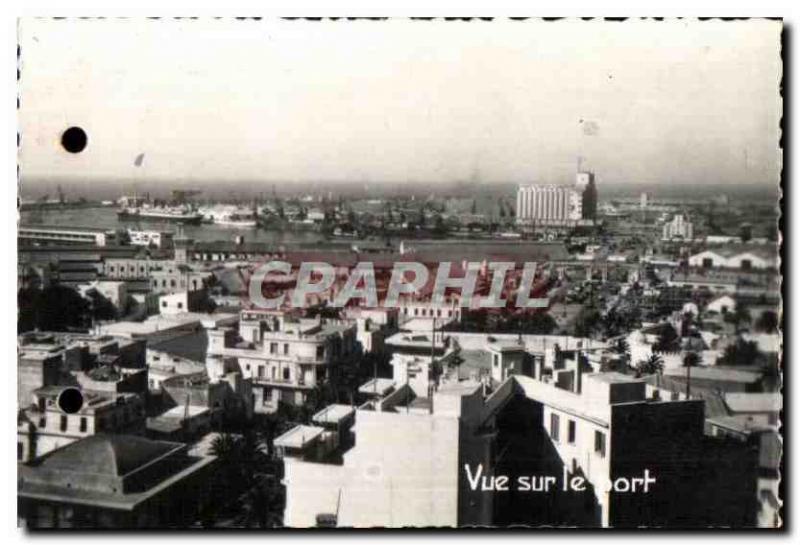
70,400
74,140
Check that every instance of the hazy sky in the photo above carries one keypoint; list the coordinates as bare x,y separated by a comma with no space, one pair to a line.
676,102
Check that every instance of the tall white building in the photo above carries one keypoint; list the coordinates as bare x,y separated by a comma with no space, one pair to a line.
679,227
556,203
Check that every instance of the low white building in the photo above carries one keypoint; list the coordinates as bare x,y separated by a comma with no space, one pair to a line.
180,302
736,257
722,305
155,239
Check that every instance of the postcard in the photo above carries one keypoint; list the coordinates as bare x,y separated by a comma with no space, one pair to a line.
399,273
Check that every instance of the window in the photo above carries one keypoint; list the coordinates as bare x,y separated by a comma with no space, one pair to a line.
600,443
63,423
285,349
571,431
273,348
747,264
286,373
260,371
163,304
274,373
180,305
172,283
83,423
20,450
42,422
320,352
554,425
708,262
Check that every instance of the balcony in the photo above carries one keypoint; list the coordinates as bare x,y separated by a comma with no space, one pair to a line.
310,360
280,382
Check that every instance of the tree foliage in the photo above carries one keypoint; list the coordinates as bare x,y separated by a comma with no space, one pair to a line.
767,322
653,365
55,308
668,340
741,352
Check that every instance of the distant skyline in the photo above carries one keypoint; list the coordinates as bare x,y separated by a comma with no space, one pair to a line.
214,101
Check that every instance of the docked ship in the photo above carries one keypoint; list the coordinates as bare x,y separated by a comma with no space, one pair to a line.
229,217
133,209
239,221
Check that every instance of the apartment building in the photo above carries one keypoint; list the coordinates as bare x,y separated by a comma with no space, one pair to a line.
373,327
44,426
285,356
527,410
49,358
393,462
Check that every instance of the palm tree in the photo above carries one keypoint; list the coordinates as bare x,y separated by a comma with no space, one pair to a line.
690,359
224,446
623,350
653,365
262,505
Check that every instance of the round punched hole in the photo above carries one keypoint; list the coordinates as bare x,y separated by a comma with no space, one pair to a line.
74,139
70,400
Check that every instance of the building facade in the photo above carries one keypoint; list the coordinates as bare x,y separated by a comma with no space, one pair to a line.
286,357
679,228
113,481
555,204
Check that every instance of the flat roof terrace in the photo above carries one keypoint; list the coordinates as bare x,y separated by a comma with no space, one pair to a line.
333,414
299,437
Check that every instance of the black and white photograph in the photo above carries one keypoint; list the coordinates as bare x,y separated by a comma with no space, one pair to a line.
341,272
